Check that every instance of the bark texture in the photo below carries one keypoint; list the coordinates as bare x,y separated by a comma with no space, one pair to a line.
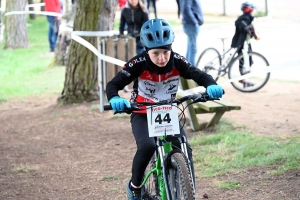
81,76
15,26
107,15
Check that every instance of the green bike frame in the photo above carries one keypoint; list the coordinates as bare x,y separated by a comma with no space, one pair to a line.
166,147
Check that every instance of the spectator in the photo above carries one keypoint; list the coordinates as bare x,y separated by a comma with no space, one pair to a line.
134,14
154,6
192,19
178,10
52,6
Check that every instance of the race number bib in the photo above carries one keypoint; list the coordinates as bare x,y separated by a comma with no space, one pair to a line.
162,120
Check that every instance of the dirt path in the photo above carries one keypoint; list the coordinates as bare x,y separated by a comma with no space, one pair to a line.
75,152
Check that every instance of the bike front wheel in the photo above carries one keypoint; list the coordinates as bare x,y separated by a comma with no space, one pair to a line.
179,178
258,73
151,189
209,61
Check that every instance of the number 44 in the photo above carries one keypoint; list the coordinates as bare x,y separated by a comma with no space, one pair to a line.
166,118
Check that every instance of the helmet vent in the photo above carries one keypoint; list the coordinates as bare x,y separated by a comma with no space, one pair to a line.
164,24
149,36
165,34
157,34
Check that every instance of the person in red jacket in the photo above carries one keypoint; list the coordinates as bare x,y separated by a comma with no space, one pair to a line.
52,6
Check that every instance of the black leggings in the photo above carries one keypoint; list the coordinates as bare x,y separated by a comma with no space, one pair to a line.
145,147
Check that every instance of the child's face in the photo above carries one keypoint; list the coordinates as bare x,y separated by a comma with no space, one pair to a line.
160,57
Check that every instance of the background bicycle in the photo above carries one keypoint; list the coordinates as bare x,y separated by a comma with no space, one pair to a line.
254,69
169,174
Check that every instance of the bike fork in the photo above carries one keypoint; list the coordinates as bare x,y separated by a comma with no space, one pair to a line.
164,189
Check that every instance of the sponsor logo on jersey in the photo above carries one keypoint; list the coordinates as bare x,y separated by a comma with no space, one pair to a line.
137,60
149,83
171,86
170,80
152,93
125,72
181,58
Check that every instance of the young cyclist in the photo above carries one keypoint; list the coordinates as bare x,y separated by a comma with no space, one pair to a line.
244,28
156,73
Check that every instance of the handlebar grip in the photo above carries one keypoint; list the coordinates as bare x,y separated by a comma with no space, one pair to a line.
107,107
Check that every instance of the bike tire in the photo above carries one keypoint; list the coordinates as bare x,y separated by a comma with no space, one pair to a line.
179,178
151,189
209,61
258,79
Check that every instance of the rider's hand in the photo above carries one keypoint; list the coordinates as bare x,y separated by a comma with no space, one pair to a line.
214,91
117,103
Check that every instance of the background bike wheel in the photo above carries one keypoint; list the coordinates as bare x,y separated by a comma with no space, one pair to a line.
259,75
151,190
210,62
179,178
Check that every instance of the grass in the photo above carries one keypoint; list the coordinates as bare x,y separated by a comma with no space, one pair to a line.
23,169
228,184
26,72
230,149
108,178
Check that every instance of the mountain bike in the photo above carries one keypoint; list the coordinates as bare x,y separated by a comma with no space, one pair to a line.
169,175
248,72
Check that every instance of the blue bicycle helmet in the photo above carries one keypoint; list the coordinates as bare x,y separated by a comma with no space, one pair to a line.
156,33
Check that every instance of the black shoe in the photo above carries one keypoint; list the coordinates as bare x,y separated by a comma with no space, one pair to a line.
247,83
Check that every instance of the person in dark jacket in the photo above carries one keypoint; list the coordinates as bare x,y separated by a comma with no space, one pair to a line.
244,29
192,19
154,6
156,74
134,14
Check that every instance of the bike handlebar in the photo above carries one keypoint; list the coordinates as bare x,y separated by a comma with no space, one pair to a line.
201,97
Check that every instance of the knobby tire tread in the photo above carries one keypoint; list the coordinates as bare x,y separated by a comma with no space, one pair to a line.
179,164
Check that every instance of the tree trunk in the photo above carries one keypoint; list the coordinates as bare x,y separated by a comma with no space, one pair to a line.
31,16
15,25
107,15
64,35
81,77
106,19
